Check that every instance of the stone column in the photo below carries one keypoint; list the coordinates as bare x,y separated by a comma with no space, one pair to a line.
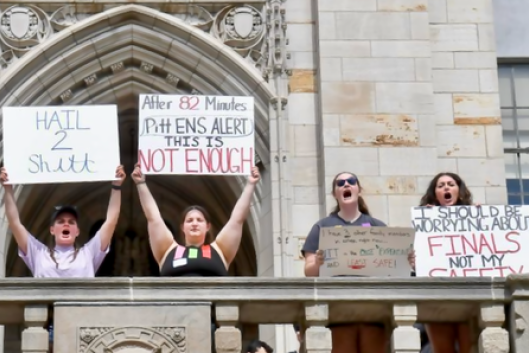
377,100
35,338
493,338
405,338
317,337
518,319
228,338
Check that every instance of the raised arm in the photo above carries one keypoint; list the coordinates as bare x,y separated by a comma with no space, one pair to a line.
114,205
160,236
229,237
19,231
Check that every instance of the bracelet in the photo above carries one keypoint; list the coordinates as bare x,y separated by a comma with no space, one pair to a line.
116,187
140,182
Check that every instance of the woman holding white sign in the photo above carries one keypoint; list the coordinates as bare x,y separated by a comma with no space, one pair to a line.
65,258
447,189
351,210
200,255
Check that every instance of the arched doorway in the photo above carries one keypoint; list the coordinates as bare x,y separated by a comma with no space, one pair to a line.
110,58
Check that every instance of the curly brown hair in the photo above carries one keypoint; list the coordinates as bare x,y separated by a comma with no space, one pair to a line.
362,206
464,197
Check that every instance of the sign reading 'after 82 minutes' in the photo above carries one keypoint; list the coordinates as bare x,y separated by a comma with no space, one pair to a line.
196,134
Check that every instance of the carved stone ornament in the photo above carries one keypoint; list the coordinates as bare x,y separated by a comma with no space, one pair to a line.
132,340
258,35
23,27
240,27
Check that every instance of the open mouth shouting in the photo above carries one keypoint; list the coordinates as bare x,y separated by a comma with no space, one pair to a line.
448,198
347,195
65,233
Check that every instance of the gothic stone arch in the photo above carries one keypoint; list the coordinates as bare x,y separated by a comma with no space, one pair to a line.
113,56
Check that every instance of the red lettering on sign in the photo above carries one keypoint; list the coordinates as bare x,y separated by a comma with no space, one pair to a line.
219,160
156,160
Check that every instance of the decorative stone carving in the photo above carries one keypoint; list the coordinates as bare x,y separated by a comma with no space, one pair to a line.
258,36
132,340
172,79
67,95
7,58
239,27
146,67
274,59
197,16
63,17
23,26
90,80
117,67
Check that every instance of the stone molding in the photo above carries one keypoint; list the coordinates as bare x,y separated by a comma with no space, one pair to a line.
154,53
256,289
245,28
147,339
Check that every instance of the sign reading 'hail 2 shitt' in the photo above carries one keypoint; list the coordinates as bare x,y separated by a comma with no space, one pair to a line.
57,144
196,134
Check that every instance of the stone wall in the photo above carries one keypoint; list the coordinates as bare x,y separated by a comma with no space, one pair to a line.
397,91
405,89
465,79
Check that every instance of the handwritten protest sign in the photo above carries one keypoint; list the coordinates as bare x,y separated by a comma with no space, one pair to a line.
196,134
60,144
470,241
366,251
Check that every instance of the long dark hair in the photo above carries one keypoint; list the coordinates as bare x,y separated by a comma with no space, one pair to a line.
362,206
464,197
209,238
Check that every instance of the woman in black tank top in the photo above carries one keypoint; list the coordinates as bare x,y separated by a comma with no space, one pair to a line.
198,257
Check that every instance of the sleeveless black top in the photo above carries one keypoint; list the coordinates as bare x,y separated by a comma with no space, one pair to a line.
193,261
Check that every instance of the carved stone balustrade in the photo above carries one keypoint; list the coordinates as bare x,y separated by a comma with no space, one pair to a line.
173,315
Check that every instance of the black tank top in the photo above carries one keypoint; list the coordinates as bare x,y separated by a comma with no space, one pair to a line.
191,261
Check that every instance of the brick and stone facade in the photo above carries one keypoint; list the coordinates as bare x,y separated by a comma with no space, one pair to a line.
392,90
402,90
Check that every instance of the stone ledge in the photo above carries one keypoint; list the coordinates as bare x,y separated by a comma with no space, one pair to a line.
255,289
265,300
85,4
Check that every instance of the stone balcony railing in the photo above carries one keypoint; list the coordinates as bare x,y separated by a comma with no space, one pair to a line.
173,315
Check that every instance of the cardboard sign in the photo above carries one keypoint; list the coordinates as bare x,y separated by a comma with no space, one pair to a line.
196,134
61,144
471,241
366,251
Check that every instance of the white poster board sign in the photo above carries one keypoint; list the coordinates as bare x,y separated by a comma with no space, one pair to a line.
471,241
366,251
196,134
57,144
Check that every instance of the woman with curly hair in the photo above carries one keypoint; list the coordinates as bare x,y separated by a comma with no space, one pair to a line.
447,189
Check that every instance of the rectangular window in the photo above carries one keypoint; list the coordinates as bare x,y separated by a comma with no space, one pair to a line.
514,101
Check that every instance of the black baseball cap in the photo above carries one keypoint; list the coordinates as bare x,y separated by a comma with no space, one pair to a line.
64,209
